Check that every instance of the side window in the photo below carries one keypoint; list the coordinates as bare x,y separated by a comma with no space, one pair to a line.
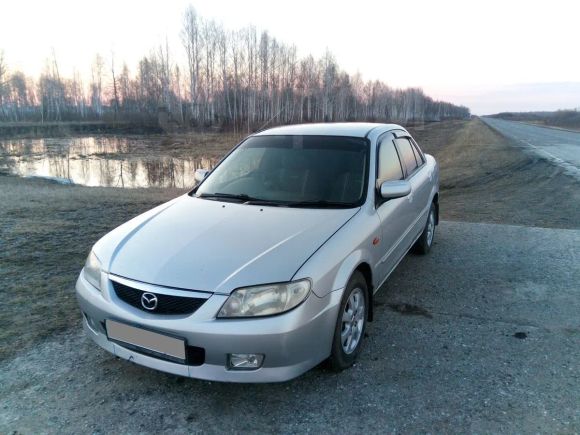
407,154
418,155
389,164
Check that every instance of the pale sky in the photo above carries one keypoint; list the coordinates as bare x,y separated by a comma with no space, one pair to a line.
491,55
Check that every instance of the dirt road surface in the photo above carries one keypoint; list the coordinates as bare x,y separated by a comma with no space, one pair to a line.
457,367
482,335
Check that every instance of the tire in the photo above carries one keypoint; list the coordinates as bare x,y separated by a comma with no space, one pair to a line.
425,242
354,302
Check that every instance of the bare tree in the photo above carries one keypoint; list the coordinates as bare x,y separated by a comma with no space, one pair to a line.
97,85
3,83
190,36
115,93
241,79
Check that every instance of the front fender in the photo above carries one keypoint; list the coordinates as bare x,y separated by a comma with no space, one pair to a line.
333,264
348,266
433,175
434,196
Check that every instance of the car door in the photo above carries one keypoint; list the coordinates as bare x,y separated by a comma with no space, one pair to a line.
416,173
394,214
423,179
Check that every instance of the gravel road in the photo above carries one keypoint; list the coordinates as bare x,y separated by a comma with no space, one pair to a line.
559,146
489,341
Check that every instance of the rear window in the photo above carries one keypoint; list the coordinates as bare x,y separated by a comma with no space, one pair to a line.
407,154
418,156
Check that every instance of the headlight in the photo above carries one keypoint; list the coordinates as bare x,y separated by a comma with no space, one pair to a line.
265,300
92,270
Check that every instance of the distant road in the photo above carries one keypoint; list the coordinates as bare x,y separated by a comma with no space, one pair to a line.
559,146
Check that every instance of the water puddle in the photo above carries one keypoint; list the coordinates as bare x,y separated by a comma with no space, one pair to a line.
111,161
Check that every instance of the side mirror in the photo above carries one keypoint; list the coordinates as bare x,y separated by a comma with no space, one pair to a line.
395,189
200,174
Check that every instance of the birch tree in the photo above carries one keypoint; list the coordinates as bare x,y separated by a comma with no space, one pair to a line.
3,83
190,36
240,79
97,85
115,87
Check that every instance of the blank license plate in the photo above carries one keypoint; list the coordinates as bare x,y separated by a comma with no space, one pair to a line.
148,340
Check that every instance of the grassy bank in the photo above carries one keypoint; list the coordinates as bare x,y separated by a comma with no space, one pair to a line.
566,119
61,129
485,177
46,232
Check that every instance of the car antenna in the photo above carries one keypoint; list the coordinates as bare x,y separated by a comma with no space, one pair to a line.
269,121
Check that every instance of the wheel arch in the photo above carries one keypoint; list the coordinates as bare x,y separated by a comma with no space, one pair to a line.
436,203
365,269
358,261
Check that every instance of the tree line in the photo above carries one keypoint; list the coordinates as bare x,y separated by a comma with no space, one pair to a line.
240,79
560,118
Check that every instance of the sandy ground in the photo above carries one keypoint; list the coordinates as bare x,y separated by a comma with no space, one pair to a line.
457,367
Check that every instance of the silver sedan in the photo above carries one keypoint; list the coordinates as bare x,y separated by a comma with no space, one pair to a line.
269,265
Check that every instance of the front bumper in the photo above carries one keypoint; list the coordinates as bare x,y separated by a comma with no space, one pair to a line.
292,342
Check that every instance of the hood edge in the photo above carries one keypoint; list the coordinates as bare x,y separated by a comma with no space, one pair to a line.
323,243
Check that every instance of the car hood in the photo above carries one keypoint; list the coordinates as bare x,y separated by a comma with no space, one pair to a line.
215,246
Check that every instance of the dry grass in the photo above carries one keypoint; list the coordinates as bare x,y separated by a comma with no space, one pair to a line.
46,232
566,119
196,145
573,127
485,177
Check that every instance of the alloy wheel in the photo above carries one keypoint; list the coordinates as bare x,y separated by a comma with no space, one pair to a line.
430,228
353,318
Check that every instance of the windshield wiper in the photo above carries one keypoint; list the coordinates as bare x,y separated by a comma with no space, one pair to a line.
269,202
250,200
241,197
320,203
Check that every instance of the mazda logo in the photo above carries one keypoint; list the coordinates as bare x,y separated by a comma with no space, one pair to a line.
149,301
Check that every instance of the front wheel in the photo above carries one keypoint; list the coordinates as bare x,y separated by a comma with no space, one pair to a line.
351,323
425,241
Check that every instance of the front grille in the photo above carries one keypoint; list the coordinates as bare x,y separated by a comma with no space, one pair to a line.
166,304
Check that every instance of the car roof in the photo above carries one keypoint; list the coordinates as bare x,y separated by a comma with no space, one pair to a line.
352,129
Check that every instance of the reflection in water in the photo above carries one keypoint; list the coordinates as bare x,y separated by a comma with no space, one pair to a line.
100,161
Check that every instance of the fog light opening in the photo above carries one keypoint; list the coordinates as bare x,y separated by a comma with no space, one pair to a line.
92,324
245,361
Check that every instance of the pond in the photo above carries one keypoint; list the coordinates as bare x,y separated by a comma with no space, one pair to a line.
111,161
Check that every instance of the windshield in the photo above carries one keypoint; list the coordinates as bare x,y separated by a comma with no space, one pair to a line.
292,170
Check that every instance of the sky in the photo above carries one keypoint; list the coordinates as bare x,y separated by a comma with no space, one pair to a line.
492,55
